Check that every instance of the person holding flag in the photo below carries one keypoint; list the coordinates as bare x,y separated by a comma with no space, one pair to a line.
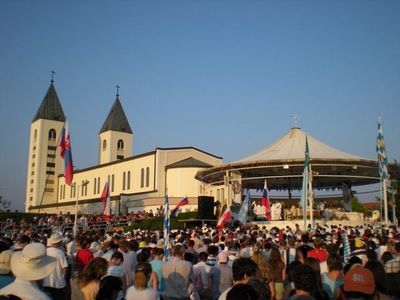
183,202
66,154
225,217
265,202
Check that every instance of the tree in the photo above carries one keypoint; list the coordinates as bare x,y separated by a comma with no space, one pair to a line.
357,206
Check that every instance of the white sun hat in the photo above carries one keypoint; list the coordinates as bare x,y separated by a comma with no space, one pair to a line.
55,238
32,263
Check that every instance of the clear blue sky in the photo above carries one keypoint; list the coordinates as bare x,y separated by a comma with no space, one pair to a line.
223,76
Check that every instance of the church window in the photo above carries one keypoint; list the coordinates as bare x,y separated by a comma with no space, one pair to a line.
52,134
104,145
35,134
129,180
98,185
94,186
142,178
120,145
112,183
147,177
123,180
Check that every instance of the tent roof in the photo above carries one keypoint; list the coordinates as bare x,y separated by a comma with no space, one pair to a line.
292,147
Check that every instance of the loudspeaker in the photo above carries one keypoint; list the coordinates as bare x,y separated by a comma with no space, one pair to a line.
205,207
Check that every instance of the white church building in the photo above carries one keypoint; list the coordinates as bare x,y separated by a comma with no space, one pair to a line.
137,182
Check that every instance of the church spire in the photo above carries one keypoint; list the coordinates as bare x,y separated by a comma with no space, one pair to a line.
116,119
50,108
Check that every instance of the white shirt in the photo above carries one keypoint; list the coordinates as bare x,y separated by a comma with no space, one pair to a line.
224,294
57,278
147,294
201,274
27,290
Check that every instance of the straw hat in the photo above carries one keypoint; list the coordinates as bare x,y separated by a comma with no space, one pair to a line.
32,263
54,239
5,258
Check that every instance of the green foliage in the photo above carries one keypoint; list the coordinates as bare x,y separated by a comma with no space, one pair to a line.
157,223
356,206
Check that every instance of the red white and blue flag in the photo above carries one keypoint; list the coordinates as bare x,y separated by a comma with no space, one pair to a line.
184,201
226,216
265,202
66,154
105,197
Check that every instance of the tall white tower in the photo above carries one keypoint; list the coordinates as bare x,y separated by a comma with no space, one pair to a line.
44,164
115,136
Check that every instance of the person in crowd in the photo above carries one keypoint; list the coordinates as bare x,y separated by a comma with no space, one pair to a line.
84,255
289,289
202,277
225,271
261,287
242,292
380,277
28,266
178,275
304,283
6,276
359,283
110,289
21,242
243,269
140,290
278,272
319,293
144,257
156,264
332,281
86,286
55,284
319,253
116,267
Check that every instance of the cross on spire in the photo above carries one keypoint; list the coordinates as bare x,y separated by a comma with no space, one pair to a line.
52,76
117,86
295,120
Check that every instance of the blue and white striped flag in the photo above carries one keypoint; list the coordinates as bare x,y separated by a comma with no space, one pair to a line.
306,179
380,148
167,225
346,248
242,215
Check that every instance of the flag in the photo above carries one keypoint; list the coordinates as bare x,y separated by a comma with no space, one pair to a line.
65,153
184,201
346,247
242,215
380,148
167,225
305,186
265,202
225,217
105,197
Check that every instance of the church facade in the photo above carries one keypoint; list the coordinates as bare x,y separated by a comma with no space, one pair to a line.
137,182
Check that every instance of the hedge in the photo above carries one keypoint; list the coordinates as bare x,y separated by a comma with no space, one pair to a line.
157,223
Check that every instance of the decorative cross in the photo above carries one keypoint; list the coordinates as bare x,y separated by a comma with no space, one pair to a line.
117,89
52,76
295,120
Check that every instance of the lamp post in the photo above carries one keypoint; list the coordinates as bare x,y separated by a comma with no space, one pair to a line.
84,183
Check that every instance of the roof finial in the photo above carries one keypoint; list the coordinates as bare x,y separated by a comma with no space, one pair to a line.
52,76
295,121
117,86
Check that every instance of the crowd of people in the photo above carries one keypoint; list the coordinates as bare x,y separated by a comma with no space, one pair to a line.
203,263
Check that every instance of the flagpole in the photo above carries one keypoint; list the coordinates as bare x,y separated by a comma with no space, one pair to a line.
76,206
385,203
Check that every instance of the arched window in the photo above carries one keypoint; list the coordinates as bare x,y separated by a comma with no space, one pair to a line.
52,134
35,134
120,145
123,180
129,180
142,178
104,145
112,183
147,177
